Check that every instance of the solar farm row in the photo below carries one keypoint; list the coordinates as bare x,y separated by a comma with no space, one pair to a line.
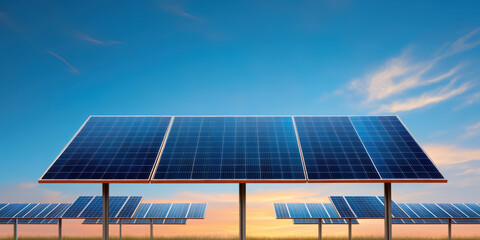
406,213
34,213
242,149
137,221
315,211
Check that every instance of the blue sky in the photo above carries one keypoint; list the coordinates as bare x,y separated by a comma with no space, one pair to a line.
62,61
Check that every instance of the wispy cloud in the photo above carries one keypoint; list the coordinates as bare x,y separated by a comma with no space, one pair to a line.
471,99
427,98
72,69
450,154
87,38
472,130
402,74
178,10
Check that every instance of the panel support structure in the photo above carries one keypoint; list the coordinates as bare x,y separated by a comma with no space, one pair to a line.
15,229
151,229
388,211
106,221
120,229
449,229
242,200
60,237
319,229
349,229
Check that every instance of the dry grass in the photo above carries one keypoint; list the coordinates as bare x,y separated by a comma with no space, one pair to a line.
233,238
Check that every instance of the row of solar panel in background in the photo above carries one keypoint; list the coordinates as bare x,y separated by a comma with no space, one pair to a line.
305,210
34,213
324,221
373,207
91,207
242,148
138,221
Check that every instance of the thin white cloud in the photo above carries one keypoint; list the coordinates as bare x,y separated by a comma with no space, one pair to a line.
427,98
443,154
87,38
464,43
471,99
177,9
472,130
72,69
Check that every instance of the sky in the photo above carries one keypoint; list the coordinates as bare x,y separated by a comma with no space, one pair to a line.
62,61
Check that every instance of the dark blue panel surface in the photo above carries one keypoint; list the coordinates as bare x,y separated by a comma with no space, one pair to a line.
178,210
366,206
410,213
422,212
12,209
77,207
27,209
298,210
36,210
59,211
95,208
342,207
466,210
175,221
231,148
2,205
452,210
197,210
331,210
435,210
142,210
475,207
158,210
281,210
332,149
43,213
111,148
393,150
317,210
130,207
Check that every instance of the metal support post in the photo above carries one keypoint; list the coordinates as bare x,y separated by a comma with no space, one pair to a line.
388,211
242,205
151,229
449,229
15,229
319,229
60,237
105,221
120,229
349,229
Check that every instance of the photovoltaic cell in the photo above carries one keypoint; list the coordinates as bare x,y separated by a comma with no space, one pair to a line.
178,210
474,207
231,149
77,207
95,207
332,149
451,210
25,210
435,210
12,209
342,207
142,210
158,210
59,210
130,207
298,210
197,210
111,148
317,210
44,213
393,150
422,212
281,210
324,221
366,206
467,211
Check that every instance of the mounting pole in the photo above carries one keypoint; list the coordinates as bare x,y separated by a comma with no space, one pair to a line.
15,229
242,192
60,229
120,230
388,211
449,229
349,229
151,229
319,229
106,221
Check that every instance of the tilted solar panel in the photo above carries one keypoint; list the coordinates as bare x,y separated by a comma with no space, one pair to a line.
197,210
393,150
324,221
466,210
94,208
332,150
365,206
111,149
178,210
317,210
12,209
342,207
130,207
137,221
231,149
77,207
44,213
158,210
59,210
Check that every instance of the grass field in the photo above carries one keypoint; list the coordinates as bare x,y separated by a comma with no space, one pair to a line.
232,238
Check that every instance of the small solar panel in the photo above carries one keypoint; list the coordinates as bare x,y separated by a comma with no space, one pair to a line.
197,210
178,210
317,210
95,207
158,210
342,207
130,207
393,150
298,210
366,206
77,207
235,149
110,148
332,149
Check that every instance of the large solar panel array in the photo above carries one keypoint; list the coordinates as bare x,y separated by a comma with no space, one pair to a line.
407,213
324,221
243,149
171,221
324,211
91,207
32,213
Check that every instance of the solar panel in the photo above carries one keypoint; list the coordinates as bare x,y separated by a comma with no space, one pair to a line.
466,210
317,210
130,207
44,213
77,207
393,150
452,210
116,203
158,210
178,210
366,206
474,207
59,210
106,149
324,221
231,149
332,149
422,212
342,207
137,221
298,210
197,210
397,212
12,209
142,210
